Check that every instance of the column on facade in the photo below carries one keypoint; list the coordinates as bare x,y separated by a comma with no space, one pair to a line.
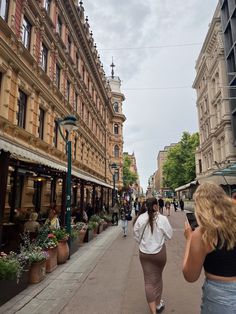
6,93
229,142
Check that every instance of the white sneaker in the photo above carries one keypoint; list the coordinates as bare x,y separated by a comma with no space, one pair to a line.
161,306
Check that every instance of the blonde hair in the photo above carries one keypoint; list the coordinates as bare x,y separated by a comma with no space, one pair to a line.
33,216
216,214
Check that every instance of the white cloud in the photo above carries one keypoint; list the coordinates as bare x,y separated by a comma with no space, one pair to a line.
155,118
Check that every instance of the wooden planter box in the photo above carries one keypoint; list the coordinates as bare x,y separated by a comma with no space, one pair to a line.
37,272
89,235
95,231
51,262
74,245
10,288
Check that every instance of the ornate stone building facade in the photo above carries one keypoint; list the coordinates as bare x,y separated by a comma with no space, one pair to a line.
50,68
216,148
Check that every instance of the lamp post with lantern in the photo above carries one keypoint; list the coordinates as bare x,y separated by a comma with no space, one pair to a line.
114,168
69,124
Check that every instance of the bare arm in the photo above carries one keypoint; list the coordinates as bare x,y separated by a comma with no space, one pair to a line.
195,253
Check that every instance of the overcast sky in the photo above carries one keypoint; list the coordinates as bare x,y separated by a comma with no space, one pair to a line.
154,44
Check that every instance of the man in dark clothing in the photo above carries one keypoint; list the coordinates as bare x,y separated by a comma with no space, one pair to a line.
181,204
175,204
89,210
161,205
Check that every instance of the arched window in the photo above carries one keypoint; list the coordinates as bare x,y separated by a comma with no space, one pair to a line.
116,107
116,129
116,151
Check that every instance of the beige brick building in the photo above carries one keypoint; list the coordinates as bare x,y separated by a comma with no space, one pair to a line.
50,68
216,148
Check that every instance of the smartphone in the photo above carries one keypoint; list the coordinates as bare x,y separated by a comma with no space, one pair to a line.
192,220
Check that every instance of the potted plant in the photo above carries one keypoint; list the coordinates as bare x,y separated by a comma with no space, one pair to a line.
98,220
82,227
48,241
14,275
90,231
37,259
62,249
74,237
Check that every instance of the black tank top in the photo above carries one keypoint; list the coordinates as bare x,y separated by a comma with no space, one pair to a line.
221,262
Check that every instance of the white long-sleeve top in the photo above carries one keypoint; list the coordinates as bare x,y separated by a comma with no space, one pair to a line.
151,243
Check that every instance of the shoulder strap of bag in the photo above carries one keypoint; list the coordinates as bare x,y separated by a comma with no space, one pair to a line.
143,232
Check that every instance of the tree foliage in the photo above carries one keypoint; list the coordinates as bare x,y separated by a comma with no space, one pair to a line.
129,177
179,167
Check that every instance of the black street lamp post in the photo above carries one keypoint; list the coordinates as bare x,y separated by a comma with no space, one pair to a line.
114,168
69,125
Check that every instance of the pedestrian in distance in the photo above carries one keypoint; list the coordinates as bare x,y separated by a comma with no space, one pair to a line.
175,204
115,213
167,206
212,246
161,205
142,210
181,204
136,206
125,215
151,230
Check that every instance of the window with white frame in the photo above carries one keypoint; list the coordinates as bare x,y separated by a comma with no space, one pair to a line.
44,57
22,105
116,129
59,25
26,33
116,106
4,6
47,4
116,151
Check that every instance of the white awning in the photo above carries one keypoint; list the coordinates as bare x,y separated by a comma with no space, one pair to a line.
184,187
35,157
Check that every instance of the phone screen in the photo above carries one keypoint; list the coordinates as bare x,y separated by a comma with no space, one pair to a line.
192,220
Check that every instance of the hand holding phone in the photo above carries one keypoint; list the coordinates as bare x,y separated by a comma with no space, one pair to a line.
192,220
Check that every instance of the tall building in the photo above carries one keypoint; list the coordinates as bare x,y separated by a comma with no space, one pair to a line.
159,179
216,150
50,68
228,24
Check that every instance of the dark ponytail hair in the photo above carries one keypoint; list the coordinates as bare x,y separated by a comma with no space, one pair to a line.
150,203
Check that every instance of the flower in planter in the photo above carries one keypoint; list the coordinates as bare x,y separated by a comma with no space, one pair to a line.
95,218
10,267
45,238
32,250
92,225
61,234
81,226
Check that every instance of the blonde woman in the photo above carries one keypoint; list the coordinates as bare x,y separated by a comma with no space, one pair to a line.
212,246
151,229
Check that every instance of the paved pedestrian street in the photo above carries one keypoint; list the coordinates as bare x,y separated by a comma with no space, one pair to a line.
105,277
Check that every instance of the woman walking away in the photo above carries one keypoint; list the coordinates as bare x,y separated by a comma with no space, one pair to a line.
212,246
150,231
125,215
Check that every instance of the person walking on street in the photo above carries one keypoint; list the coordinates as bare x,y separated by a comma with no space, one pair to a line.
115,213
161,205
175,204
150,231
124,215
212,246
181,204
167,206
136,206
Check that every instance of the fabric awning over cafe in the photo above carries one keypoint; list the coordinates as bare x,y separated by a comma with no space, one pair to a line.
19,152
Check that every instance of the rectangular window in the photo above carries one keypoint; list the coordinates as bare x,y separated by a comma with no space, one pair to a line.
21,115
77,61
75,148
59,25
41,123
55,134
76,102
44,57
47,4
69,45
58,76
200,165
4,6
26,33
68,91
